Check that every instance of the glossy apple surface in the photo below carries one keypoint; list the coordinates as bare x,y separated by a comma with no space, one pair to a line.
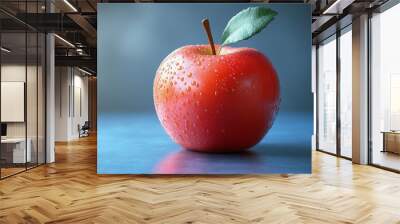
216,103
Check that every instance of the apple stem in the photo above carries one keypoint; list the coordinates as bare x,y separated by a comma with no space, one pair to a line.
207,28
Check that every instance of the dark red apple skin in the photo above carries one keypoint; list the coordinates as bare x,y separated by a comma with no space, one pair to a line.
216,103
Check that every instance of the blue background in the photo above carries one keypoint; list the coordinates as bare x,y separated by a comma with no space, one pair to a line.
132,41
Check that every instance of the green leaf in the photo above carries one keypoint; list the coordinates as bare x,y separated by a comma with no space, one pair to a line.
246,24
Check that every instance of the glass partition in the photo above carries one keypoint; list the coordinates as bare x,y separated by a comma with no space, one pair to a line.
327,95
346,92
334,103
22,101
14,153
385,89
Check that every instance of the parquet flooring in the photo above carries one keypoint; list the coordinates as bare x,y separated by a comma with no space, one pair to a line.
70,191
10,171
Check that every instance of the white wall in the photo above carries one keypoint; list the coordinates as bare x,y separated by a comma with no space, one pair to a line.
71,102
12,73
62,82
81,103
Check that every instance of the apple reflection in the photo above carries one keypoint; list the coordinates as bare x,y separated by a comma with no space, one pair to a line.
188,162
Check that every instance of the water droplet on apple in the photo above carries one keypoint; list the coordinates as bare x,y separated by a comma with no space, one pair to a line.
189,74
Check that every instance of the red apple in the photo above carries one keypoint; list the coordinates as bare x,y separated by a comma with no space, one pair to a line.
216,103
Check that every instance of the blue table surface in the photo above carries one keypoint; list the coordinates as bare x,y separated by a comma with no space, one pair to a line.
137,144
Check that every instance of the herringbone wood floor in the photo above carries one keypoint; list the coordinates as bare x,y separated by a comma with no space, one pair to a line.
70,191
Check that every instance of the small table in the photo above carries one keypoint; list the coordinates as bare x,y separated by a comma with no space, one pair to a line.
19,154
391,141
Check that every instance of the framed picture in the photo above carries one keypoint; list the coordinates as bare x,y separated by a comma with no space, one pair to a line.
204,88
